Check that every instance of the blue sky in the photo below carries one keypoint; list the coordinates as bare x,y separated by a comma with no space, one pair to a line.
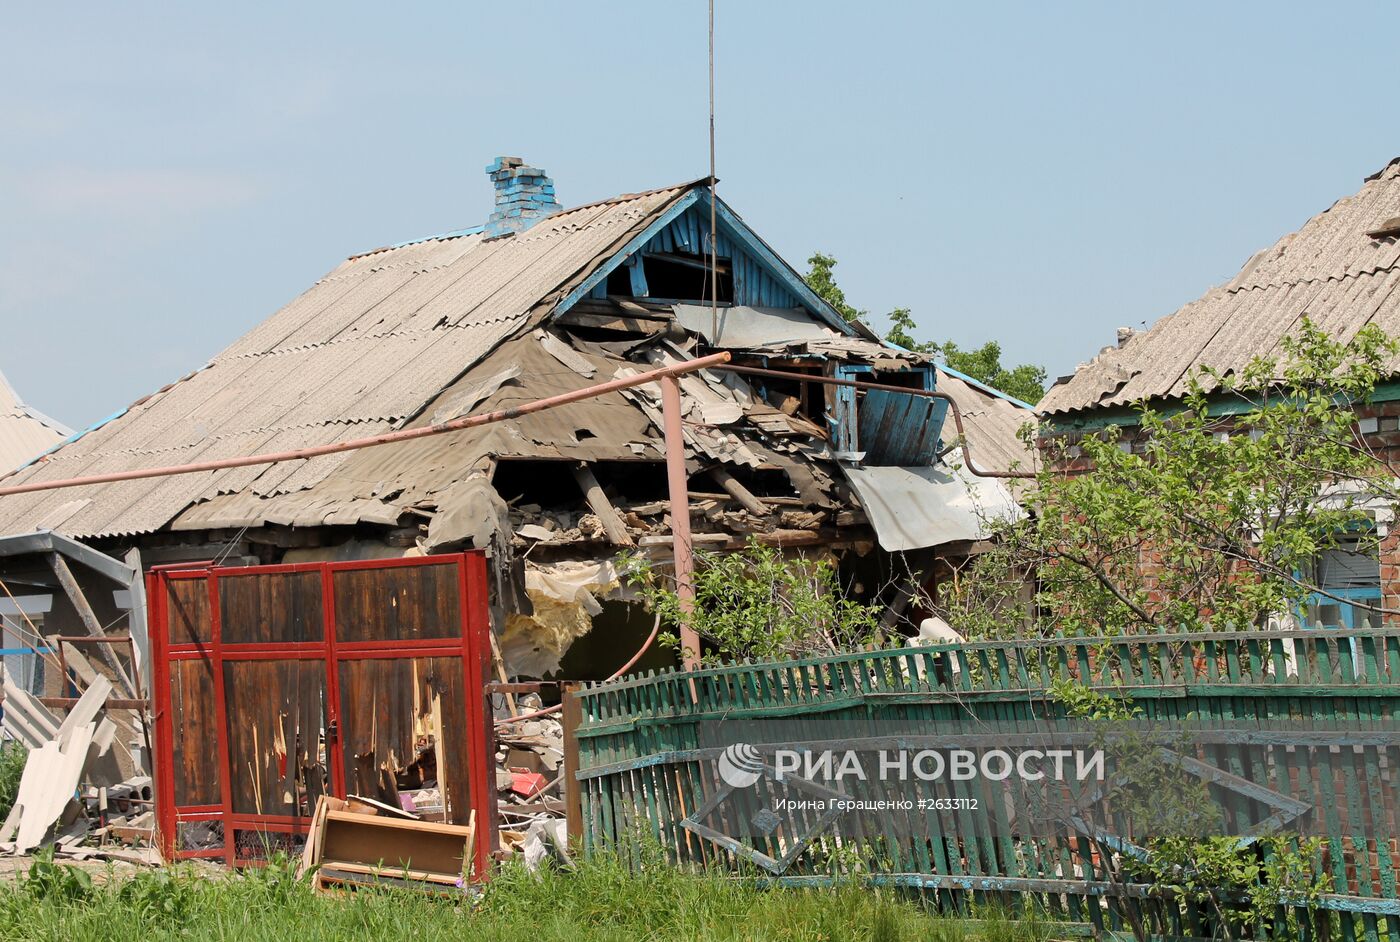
1034,173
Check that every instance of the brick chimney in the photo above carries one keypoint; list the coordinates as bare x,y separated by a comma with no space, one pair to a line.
524,196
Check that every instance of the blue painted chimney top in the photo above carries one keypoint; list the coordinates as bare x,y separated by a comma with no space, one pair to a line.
524,196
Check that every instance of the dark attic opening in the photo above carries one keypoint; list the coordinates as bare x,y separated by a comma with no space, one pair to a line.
674,276
530,481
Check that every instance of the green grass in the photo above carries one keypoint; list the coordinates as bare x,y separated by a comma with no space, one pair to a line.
12,756
601,900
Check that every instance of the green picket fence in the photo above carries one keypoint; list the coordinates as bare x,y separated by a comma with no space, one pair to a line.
1307,714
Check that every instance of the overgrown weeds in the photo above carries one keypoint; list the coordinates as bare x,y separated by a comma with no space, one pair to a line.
12,757
602,899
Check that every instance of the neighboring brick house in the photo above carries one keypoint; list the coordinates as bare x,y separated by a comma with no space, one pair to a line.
1342,270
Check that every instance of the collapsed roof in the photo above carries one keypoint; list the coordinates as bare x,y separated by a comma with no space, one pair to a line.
477,320
1341,270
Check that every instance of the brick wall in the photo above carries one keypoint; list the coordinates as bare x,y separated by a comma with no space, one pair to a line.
1378,423
524,195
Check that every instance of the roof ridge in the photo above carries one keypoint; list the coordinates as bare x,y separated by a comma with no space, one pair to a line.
477,230
1336,262
1381,172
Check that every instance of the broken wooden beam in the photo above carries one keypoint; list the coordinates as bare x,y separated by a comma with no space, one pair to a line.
598,502
739,492
113,703
59,565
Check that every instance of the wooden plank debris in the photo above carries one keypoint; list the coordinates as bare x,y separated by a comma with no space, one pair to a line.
345,849
598,502
59,565
739,492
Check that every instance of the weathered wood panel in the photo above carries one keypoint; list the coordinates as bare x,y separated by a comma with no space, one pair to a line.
270,608
404,711
190,622
196,763
276,716
404,603
239,775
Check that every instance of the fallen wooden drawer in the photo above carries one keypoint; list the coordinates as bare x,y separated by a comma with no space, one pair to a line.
347,848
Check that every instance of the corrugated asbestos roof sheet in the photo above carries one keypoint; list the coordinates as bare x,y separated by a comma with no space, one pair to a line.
363,351
993,426
1330,270
24,433
993,423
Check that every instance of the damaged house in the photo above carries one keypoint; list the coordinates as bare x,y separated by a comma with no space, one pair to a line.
324,625
1341,270
541,301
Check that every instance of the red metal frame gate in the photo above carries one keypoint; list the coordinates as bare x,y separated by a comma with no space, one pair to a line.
274,683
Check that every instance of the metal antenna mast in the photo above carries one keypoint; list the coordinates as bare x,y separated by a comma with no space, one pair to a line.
714,238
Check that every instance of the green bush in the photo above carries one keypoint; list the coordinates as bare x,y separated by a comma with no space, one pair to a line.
12,757
759,603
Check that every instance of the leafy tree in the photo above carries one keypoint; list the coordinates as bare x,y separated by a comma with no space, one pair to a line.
901,333
821,280
1201,520
758,603
1026,382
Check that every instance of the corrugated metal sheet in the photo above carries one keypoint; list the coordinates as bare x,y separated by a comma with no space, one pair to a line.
24,433
911,508
362,351
1330,270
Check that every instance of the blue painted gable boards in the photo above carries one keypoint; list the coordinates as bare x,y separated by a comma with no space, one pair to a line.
760,277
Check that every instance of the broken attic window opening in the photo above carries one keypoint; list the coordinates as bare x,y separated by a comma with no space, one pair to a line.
675,276
889,428
790,396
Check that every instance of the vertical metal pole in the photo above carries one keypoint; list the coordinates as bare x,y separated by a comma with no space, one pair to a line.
714,236
680,515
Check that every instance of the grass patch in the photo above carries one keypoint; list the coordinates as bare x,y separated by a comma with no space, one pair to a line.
12,757
601,900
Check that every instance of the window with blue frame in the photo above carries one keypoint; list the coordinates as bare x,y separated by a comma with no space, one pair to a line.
1349,572
888,428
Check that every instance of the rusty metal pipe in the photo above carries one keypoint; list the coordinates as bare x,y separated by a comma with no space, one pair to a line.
403,435
885,387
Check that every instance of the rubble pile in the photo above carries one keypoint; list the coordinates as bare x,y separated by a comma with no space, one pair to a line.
72,795
529,783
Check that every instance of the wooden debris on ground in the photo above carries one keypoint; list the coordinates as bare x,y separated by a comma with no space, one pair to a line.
60,803
346,849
